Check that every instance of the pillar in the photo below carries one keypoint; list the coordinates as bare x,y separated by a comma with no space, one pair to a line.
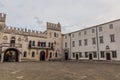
20,55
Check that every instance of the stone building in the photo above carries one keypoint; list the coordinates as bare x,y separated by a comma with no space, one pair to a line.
17,44
100,42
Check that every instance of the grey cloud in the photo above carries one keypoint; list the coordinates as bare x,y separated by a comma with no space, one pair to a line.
72,14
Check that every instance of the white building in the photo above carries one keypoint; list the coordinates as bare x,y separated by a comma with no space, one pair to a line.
100,42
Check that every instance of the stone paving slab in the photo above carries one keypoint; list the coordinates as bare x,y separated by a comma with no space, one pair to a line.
65,70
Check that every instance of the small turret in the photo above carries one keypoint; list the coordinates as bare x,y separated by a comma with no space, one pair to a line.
2,21
2,17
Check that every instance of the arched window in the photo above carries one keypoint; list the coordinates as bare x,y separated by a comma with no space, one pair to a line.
25,54
12,41
33,54
33,44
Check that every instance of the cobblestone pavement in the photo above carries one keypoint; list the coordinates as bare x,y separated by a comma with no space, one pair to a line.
66,70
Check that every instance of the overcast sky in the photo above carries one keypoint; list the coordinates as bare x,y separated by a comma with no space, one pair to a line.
72,14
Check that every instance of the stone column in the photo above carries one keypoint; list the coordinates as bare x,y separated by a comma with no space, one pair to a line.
2,57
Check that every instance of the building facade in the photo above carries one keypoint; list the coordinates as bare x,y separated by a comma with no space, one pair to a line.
17,44
100,42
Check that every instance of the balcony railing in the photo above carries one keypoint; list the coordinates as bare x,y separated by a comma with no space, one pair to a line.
41,47
11,45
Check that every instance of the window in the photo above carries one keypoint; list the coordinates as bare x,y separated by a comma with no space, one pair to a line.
33,44
25,54
50,34
56,54
73,35
33,54
73,43
65,37
50,54
66,44
93,30
85,42
80,42
86,54
79,33
38,43
80,54
101,39
112,38
85,32
93,40
100,29
73,55
49,44
102,54
114,54
94,54
55,34
111,26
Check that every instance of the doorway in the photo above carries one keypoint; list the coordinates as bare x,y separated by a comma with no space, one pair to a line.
77,57
11,55
108,56
90,57
42,56
66,56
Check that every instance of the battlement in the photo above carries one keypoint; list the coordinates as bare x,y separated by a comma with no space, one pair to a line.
54,26
2,17
24,31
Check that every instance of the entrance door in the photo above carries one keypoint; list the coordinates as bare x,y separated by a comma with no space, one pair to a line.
77,57
66,56
11,55
42,56
108,56
90,56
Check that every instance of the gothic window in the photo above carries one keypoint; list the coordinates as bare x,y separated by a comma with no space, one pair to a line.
33,43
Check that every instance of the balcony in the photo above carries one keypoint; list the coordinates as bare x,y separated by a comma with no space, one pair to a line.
11,45
41,47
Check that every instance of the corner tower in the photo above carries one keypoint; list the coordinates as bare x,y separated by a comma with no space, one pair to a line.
2,20
53,26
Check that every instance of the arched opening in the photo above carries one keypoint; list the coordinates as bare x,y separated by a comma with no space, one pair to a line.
66,56
11,55
42,56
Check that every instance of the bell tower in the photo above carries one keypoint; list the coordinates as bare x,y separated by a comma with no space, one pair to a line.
2,20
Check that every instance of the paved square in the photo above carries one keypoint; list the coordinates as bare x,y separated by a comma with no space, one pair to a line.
69,70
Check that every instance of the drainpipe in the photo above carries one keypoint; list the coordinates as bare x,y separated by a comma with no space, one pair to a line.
70,45
97,43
